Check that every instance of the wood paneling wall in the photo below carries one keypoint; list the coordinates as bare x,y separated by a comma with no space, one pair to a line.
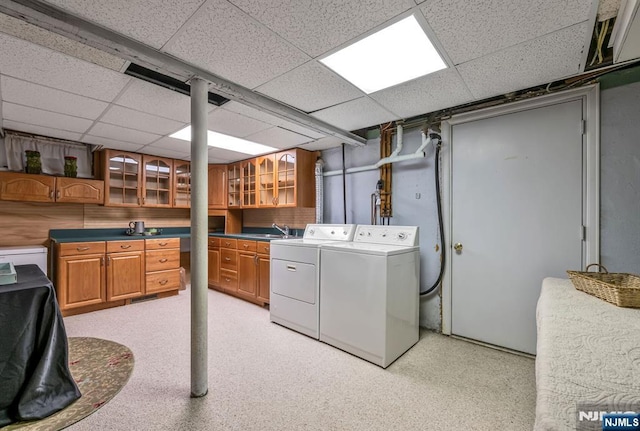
96,217
27,223
295,218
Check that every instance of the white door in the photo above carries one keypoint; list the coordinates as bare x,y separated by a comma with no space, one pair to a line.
517,214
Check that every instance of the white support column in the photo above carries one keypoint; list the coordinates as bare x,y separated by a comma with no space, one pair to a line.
199,233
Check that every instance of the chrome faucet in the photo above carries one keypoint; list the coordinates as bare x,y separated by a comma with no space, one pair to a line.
284,229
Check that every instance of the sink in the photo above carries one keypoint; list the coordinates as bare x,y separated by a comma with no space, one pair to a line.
266,235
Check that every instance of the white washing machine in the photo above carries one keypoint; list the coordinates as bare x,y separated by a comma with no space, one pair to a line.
369,293
295,276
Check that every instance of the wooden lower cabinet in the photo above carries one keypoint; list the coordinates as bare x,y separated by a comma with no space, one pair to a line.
80,281
125,275
162,261
242,268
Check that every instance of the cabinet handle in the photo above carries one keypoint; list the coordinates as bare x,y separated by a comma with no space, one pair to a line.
227,244
255,259
245,245
291,268
266,249
163,282
227,280
102,261
163,260
162,244
51,194
82,248
143,200
108,260
57,194
138,200
227,259
125,246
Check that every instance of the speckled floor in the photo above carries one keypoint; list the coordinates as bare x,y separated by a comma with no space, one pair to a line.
265,377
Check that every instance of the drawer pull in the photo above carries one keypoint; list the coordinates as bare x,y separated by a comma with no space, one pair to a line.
163,260
228,280
125,246
82,248
266,249
227,259
227,244
291,268
162,244
246,245
163,282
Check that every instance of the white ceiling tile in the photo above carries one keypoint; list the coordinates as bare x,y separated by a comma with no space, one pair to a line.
355,114
125,117
153,99
152,22
227,42
111,143
231,123
27,61
317,26
172,144
472,29
231,156
122,134
430,93
216,160
536,62
40,36
42,131
39,117
310,87
49,99
323,144
161,152
278,138
271,119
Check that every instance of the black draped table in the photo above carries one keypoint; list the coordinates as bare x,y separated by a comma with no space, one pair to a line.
35,381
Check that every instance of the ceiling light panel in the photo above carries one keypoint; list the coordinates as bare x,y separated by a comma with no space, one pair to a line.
215,139
405,44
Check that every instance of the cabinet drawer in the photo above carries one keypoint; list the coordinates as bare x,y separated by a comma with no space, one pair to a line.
228,243
228,259
160,260
161,281
81,248
214,242
244,245
118,246
263,247
229,280
161,243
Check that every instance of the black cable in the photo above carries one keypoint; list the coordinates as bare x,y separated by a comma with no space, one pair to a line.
344,186
443,254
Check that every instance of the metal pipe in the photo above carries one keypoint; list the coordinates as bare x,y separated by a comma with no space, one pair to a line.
344,186
199,237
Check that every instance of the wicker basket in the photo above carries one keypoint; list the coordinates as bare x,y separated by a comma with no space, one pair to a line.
620,289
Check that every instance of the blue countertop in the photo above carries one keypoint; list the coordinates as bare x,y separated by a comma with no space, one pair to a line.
81,235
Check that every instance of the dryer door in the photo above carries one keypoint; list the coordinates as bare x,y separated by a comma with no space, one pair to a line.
294,280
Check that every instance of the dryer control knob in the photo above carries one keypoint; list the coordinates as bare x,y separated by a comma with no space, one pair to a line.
402,236
311,231
333,232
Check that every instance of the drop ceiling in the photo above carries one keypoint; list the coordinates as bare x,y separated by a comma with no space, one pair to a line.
54,86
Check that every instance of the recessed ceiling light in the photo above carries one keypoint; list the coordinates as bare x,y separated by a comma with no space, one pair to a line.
218,140
393,55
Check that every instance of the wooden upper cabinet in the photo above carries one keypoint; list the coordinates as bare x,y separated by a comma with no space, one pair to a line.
182,184
286,179
122,178
27,187
157,181
79,190
266,179
43,188
217,186
248,171
234,191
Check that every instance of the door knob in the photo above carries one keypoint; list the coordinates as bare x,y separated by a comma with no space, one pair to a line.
457,247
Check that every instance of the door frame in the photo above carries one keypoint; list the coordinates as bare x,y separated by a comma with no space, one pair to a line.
590,97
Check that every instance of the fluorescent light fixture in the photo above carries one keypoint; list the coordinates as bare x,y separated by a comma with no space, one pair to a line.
393,55
215,139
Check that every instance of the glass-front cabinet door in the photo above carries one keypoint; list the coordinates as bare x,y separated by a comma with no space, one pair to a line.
182,184
233,186
266,177
286,175
157,181
122,178
248,171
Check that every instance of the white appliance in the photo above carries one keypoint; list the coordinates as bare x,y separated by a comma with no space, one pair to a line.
23,255
369,293
295,276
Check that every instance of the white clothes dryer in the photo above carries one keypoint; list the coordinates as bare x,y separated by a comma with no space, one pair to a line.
295,276
369,293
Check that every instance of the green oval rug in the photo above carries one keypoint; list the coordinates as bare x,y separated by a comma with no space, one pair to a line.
100,368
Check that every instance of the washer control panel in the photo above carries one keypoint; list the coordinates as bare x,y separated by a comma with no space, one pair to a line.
384,234
335,232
